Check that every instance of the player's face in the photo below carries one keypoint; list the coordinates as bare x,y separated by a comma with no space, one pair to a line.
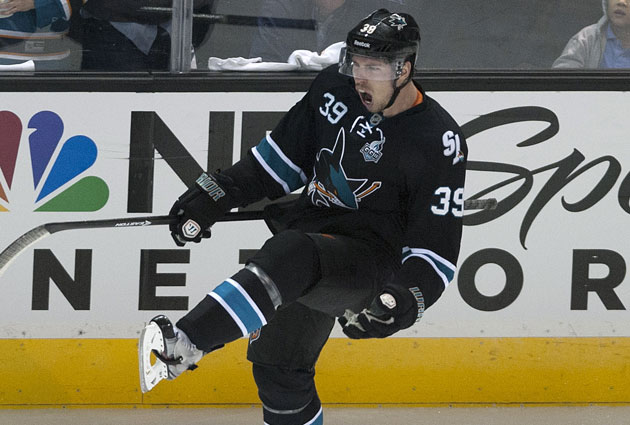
373,81
619,13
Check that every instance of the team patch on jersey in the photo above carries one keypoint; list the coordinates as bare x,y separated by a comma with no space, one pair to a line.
331,185
366,128
372,151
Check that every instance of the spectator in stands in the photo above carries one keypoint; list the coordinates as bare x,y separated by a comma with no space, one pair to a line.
120,35
275,43
34,31
605,44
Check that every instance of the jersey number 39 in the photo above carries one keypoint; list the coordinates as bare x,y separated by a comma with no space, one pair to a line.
449,201
332,110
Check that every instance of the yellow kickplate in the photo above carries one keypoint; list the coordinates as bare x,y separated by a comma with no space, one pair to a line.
423,371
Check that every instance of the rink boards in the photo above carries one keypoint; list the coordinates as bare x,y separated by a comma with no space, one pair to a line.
536,314
400,371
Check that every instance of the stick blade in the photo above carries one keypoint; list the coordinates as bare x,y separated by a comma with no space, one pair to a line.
20,245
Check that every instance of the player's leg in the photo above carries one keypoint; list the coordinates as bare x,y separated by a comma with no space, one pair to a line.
352,274
250,298
287,267
284,354
285,351
241,304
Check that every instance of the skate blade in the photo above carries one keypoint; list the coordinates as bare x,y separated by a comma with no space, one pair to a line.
151,338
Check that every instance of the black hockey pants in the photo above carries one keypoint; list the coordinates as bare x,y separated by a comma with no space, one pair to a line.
284,352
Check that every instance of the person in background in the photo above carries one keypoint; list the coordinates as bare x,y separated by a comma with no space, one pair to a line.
373,239
603,45
35,30
274,43
120,35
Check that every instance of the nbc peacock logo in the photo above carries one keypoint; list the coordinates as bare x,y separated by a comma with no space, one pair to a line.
58,168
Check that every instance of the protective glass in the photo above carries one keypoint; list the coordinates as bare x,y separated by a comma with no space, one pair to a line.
369,67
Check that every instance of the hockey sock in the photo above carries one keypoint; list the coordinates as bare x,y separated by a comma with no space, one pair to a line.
235,308
288,395
311,414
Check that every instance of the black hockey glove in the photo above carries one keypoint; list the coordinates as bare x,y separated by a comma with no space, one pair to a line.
394,309
198,209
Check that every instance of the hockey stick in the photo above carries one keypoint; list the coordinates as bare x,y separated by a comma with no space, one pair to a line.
213,18
40,232
480,204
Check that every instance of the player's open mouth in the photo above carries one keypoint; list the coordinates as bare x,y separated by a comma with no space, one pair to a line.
366,97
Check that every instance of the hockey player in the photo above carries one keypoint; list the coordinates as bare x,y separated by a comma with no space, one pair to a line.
373,238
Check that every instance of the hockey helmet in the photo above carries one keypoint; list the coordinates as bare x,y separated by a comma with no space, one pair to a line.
393,37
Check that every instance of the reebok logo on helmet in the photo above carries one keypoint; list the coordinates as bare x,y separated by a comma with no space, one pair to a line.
361,44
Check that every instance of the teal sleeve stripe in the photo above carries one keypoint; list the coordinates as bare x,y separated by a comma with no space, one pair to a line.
279,167
444,268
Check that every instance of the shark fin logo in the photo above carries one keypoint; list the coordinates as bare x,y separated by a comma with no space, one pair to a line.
57,168
397,21
331,185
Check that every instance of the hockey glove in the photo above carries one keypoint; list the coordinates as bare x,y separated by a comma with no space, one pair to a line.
198,209
394,309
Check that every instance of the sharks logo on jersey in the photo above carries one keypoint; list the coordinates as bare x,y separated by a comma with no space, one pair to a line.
331,185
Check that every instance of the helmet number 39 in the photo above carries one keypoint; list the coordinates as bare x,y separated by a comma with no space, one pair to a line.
368,29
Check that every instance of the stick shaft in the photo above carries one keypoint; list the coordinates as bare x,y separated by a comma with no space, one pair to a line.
34,235
469,204
143,221
480,204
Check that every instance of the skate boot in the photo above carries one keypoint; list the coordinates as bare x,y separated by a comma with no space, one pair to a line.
174,353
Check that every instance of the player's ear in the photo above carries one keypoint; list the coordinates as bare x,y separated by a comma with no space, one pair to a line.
406,69
405,72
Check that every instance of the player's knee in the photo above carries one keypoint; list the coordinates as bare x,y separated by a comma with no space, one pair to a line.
291,261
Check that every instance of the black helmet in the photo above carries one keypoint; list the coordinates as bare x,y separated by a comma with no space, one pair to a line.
383,34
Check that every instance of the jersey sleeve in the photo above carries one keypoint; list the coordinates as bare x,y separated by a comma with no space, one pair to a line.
434,222
283,160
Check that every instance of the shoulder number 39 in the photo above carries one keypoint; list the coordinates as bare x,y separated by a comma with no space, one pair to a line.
332,110
449,201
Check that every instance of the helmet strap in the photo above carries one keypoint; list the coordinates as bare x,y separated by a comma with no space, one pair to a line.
396,91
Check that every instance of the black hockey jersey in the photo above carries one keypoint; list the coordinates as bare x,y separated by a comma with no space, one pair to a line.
397,182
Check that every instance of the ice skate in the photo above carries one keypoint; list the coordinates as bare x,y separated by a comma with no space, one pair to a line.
174,353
